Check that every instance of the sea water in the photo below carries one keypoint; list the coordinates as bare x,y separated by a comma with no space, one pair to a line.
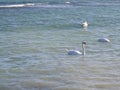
34,36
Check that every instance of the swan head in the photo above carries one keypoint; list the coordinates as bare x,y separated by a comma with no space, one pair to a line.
83,44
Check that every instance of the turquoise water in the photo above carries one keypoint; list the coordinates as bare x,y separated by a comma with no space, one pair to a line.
34,36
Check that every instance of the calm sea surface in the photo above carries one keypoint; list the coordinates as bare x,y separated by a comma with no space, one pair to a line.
34,36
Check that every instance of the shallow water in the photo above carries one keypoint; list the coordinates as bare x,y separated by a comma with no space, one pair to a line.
33,40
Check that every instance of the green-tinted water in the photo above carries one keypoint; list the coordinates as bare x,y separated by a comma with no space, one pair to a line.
34,39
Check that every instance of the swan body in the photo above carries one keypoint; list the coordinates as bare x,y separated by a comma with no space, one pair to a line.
103,40
85,24
76,52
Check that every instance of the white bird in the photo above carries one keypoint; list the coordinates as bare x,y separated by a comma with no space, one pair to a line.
76,52
85,24
103,40
67,2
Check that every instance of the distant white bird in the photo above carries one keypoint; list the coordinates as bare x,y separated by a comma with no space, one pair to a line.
85,24
103,40
76,52
67,2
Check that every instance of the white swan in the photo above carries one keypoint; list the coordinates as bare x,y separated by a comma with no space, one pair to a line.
76,52
103,40
85,24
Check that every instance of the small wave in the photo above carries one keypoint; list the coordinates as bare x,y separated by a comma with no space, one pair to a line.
49,5
17,5
41,5
58,5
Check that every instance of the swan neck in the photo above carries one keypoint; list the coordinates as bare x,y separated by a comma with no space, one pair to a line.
83,47
84,51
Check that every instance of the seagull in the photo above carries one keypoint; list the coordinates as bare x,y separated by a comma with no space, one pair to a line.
76,52
85,24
